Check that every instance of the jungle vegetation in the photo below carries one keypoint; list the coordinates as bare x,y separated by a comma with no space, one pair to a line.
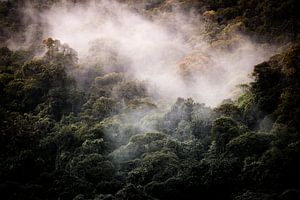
61,138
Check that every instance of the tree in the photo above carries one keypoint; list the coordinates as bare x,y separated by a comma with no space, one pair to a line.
223,130
249,144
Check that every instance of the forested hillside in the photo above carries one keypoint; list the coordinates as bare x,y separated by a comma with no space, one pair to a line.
158,99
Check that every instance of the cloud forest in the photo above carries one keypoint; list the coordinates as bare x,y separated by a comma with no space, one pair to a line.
149,99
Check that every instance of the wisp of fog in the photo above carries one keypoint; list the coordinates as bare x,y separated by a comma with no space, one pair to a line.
167,51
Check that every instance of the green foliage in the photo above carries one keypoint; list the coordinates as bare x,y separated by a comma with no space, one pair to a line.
249,144
93,168
108,80
140,144
101,108
60,53
188,119
129,91
230,110
157,166
79,131
276,88
268,20
224,129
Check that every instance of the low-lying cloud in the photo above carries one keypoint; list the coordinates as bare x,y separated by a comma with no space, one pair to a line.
168,51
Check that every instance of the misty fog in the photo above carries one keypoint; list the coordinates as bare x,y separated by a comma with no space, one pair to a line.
167,50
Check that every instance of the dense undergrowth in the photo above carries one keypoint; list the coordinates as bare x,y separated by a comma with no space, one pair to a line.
104,137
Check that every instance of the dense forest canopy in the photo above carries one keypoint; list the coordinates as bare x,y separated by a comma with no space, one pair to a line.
151,99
